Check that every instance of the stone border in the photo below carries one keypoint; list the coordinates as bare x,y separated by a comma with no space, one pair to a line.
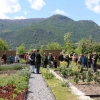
76,91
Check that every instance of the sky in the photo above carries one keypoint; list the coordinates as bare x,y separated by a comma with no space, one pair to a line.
74,9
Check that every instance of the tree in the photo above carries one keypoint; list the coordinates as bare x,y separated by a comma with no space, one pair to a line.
21,49
53,46
68,46
3,45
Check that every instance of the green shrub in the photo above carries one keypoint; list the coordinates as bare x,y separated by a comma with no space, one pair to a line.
11,67
64,83
48,74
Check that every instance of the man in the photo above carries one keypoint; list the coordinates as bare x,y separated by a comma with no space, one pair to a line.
32,61
38,61
4,57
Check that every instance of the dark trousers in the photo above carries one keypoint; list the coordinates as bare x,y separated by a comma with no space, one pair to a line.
55,64
5,61
38,68
94,67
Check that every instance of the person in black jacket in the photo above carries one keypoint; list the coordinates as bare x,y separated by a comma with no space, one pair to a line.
60,57
32,61
4,57
45,60
38,61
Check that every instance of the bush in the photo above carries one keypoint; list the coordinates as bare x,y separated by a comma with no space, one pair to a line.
11,67
48,74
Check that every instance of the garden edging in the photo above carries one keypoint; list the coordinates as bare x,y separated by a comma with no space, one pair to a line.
74,90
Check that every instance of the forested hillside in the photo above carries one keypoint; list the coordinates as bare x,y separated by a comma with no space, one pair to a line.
41,31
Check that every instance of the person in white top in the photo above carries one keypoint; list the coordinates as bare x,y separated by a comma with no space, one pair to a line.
17,58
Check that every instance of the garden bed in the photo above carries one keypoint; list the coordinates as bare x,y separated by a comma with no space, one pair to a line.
14,84
90,89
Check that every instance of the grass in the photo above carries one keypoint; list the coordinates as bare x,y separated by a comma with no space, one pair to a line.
60,92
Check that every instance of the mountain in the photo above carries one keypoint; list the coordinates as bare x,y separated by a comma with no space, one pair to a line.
41,31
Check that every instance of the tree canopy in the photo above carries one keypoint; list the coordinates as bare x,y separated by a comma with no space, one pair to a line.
3,45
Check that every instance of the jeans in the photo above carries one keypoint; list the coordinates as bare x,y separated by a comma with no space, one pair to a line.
32,67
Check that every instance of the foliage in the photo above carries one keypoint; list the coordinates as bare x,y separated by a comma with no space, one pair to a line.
64,83
21,82
22,61
42,31
3,45
87,46
41,50
63,71
60,93
68,46
21,49
53,46
48,74
89,76
63,64
10,67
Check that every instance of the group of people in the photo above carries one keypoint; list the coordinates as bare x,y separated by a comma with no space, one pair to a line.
34,59
12,59
50,60
85,60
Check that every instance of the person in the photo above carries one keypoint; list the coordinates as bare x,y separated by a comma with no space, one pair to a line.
32,61
51,59
70,56
86,61
79,59
74,58
67,60
82,61
55,60
38,62
45,60
60,57
89,60
11,59
94,62
4,57
17,58
25,57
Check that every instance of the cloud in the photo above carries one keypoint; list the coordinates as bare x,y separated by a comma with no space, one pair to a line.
19,17
3,16
93,5
8,6
57,11
37,4
25,12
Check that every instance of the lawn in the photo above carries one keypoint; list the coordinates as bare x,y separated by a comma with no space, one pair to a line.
59,91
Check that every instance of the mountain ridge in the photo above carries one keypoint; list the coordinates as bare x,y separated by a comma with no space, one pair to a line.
41,31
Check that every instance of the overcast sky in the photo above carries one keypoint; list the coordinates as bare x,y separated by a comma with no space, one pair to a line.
74,9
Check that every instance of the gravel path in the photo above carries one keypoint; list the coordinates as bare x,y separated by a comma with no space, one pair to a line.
38,89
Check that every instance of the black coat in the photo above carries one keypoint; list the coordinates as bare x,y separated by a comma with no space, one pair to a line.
32,61
38,58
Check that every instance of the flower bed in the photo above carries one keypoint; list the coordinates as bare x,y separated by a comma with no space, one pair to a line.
14,84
